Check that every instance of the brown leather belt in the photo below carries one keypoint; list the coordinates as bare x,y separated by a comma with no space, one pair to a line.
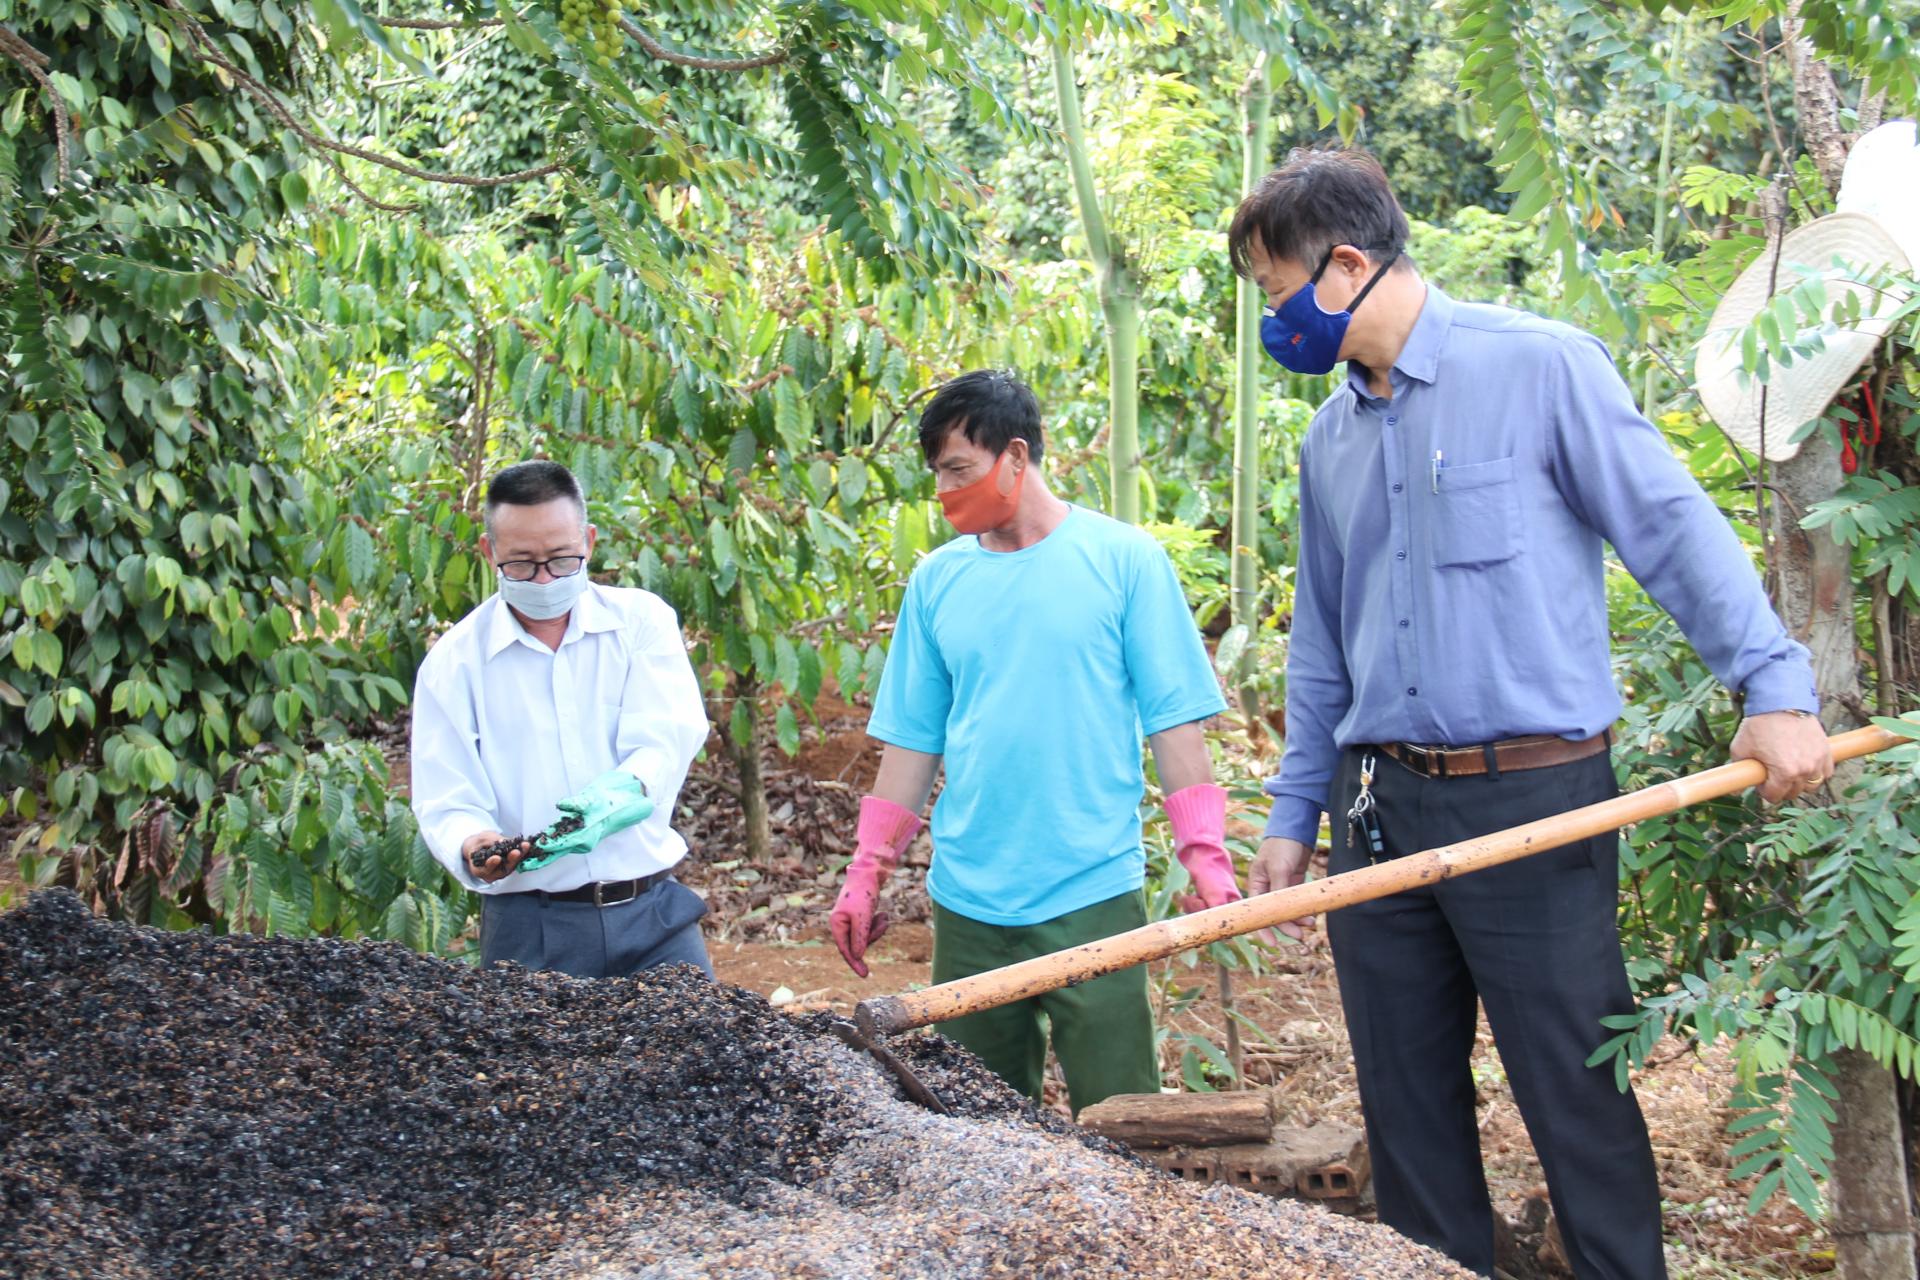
1538,751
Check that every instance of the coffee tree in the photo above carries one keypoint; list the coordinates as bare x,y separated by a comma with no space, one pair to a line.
169,588
155,621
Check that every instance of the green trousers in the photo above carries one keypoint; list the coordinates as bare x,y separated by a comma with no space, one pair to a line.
1102,1030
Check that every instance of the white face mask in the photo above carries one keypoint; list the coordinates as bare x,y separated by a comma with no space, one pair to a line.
543,601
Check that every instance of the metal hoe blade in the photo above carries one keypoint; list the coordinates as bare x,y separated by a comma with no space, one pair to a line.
916,1088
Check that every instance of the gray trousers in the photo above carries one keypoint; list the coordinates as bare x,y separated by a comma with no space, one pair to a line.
661,926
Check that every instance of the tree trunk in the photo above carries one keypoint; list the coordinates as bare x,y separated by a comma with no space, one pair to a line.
1816,101
1816,578
1257,103
1871,1219
1872,1228
1119,300
745,750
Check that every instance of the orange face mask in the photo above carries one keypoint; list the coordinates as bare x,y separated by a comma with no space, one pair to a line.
980,506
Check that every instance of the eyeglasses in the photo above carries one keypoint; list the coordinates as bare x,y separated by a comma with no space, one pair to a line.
557,566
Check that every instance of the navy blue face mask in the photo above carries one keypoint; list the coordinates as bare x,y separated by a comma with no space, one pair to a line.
1304,338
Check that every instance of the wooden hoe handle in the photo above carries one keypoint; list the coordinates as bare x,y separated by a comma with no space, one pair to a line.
989,990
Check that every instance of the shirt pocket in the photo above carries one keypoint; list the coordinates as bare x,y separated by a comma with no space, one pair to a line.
1476,514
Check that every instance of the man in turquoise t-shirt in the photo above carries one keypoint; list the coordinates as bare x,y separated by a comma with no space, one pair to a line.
1030,657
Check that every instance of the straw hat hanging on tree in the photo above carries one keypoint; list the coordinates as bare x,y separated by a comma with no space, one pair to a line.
1876,228
1840,249
1882,180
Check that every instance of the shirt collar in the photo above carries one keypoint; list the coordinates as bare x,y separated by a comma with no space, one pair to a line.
591,614
1420,357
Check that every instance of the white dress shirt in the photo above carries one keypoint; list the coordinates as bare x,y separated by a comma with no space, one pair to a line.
505,728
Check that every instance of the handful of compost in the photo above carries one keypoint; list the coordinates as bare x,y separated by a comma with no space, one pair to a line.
612,802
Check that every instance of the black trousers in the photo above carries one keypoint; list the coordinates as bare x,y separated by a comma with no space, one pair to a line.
1538,943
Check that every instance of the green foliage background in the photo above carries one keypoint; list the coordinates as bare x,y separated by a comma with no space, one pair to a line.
269,315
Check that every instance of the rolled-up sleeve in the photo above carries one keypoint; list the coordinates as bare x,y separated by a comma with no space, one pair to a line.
1319,688
452,798
1618,474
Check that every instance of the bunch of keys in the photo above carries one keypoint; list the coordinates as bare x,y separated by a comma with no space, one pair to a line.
1362,822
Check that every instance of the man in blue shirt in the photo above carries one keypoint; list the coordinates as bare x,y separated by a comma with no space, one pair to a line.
1448,676
1030,657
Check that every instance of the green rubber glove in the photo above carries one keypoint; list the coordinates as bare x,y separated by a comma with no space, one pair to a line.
612,802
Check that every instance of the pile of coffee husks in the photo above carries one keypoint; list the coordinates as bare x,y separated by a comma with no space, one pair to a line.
179,1105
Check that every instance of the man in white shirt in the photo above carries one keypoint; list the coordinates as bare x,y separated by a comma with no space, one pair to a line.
558,695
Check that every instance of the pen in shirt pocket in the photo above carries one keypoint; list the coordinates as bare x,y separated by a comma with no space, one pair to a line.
1439,461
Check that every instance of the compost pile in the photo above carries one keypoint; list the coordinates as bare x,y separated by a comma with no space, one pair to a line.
180,1105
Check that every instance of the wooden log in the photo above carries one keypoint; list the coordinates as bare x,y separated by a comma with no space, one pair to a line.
1183,1119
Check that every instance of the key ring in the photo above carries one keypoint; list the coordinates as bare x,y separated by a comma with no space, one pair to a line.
1363,803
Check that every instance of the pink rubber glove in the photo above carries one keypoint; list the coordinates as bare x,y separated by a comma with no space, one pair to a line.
884,833
1199,817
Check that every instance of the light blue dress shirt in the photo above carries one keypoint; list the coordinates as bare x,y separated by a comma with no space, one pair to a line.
1451,582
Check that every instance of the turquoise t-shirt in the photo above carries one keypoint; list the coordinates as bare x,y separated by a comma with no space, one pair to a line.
1035,673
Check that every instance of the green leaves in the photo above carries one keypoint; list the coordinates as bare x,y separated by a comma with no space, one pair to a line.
293,191
1286,32
34,649
1510,77
357,553
1818,910
1876,40
313,844
347,25
1718,191
153,534
851,145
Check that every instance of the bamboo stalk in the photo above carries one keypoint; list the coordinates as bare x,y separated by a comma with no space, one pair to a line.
1244,529
997,987
1119,299
1663,188
1247,354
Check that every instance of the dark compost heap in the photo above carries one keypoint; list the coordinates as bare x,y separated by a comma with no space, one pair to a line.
180,1105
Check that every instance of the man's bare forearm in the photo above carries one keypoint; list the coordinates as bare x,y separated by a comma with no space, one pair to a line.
906,777
1182,757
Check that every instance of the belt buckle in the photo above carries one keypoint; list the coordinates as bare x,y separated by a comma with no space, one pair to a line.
1419,757
635,888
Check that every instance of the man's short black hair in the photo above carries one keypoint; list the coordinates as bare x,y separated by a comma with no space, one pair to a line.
530,484
992,407
1318,199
